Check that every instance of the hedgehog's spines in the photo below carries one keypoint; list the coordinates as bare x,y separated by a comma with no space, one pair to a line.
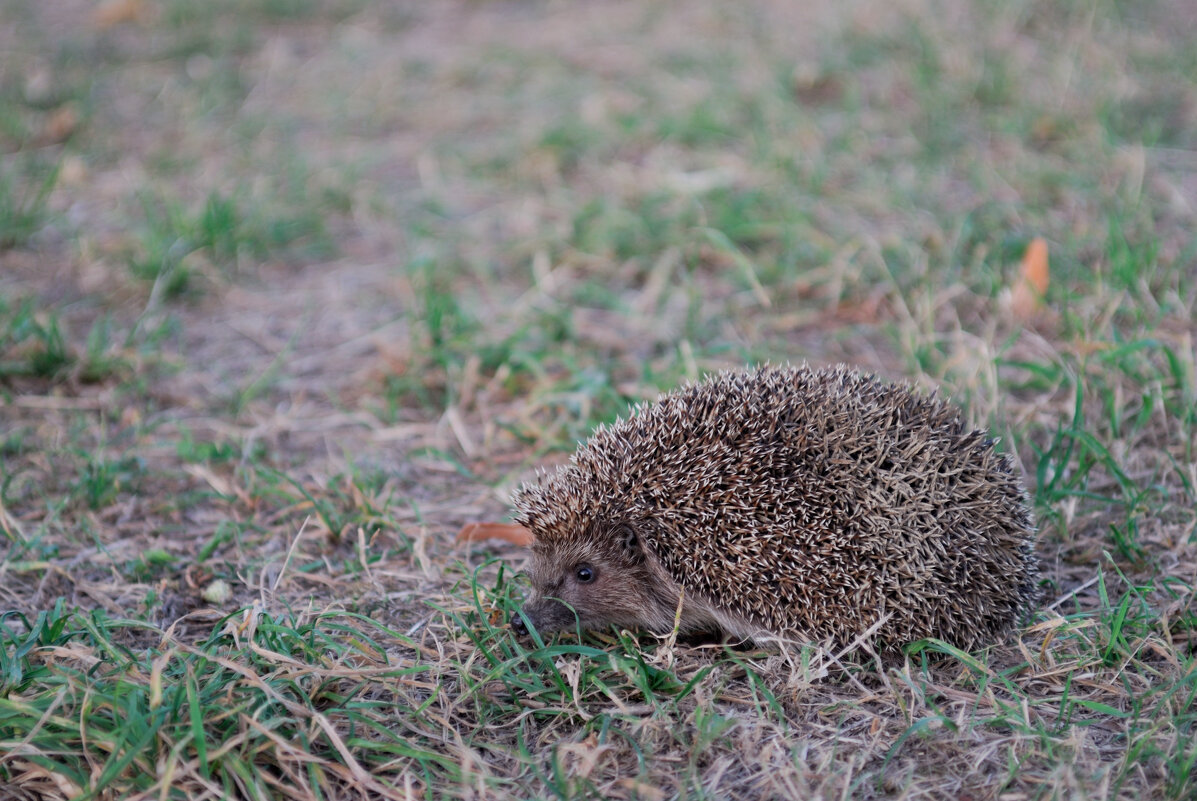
808,502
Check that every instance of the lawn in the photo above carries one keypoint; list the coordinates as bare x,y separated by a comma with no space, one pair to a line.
291,290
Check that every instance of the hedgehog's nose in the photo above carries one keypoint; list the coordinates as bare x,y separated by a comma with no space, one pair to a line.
518,625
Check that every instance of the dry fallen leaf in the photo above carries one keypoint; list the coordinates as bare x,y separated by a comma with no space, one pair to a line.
61,124
395,361
1026,297
1034,265
113,12
508,532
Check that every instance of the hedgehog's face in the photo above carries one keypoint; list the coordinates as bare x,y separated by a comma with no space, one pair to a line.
602,579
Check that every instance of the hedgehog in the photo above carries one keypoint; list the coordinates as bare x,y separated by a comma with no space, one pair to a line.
785,504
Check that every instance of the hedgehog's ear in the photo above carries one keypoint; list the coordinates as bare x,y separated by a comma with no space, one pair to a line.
627,538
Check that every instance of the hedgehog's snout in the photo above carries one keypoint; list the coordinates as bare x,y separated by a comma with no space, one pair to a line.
526,612
545,614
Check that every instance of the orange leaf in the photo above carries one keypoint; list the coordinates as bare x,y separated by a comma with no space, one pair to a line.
114,12
508,532
1027,295
61,124
1034,265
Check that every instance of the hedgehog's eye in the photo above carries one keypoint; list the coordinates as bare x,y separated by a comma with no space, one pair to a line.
585,573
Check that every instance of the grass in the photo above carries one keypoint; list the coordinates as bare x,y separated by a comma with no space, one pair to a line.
308,285
215,239
23,202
